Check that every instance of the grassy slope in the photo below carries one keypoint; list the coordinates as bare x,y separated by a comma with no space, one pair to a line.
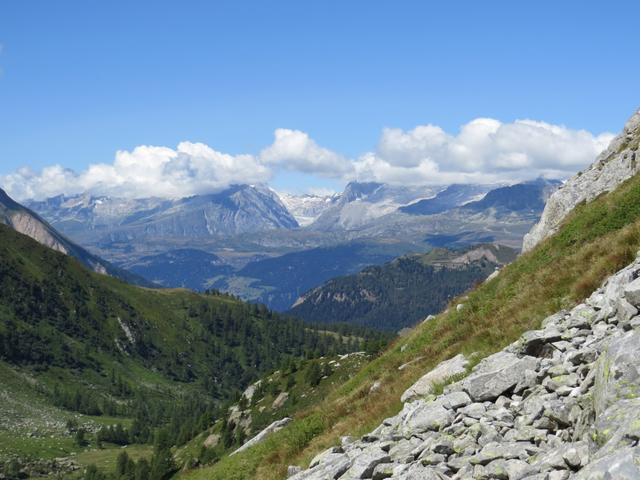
302,395
596,240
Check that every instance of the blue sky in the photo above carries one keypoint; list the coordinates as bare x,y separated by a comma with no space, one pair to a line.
83,79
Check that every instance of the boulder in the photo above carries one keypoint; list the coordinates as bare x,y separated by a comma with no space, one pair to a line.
426,416
621,465
333,468
534,342
632,292
440,374
617,374
364,464
497,374
212,440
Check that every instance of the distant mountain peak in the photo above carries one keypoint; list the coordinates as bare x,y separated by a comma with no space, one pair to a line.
526,196
357,190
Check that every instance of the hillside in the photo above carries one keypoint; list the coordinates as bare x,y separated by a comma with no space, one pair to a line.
90,349
403,292
560,402
31,224
595,240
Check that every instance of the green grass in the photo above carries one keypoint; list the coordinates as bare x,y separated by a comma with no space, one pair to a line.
596,240
105,458
302,396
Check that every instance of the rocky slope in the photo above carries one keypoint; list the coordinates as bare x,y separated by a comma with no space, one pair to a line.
612,167
561,402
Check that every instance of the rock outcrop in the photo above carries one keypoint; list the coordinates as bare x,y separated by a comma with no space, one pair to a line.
262,436
562,402
613,166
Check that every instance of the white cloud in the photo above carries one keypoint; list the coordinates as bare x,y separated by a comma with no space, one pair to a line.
295,150
190,169
484,150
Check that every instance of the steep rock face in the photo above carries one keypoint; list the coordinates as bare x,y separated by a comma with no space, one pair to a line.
562,402
616,164
240,209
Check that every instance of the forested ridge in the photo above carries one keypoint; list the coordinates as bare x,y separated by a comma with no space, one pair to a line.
167,362
394,295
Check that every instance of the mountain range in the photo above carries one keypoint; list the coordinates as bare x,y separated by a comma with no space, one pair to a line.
540,359
232,239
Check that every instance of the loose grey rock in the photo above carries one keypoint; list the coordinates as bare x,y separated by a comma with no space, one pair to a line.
572,413
445,370
427,416
364,463
496,374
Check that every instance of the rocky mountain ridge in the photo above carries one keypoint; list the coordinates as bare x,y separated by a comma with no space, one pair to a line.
246,229
561,402
239,209
612,167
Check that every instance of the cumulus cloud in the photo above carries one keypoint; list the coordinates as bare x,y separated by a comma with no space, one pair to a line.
482,151
295,150
145,171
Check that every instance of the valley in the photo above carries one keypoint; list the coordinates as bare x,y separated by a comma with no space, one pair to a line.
319,241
